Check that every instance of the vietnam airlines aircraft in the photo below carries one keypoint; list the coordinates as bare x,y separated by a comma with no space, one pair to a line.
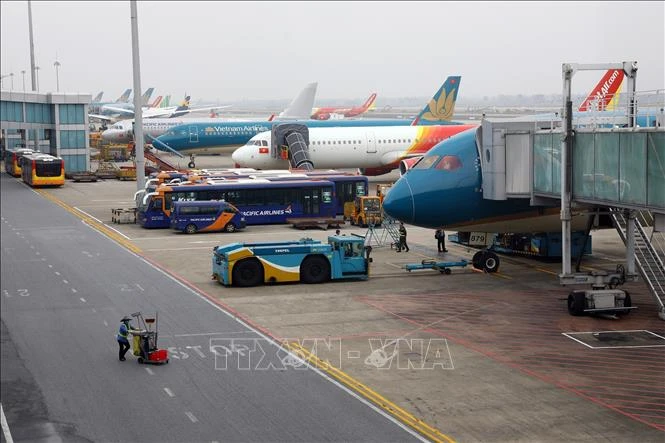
374,150
445,190
122,131
326,113
206,138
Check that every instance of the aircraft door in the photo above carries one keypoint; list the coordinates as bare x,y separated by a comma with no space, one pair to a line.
371,142
193,134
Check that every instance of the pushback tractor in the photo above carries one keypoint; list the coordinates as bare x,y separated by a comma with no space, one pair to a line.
305,260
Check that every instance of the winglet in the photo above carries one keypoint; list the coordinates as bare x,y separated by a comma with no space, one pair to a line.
301,106
271,118
603,96
441,107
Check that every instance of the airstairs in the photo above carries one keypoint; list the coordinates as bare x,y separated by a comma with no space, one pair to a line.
387,234
649,252
299,152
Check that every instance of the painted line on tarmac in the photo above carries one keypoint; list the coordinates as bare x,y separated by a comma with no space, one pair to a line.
5,426
400,414
99,221
232,313
191,416
149,371
169,392
91,221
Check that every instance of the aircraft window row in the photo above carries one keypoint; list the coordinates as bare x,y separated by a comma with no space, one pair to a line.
399,140
336,142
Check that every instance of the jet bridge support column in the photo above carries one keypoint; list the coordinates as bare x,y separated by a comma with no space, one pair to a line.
630,242
568,71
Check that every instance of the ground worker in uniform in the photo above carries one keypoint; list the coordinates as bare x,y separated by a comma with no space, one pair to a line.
402,238
441,240
123,336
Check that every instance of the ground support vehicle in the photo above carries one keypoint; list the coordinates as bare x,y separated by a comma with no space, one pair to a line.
603,297
145,341
304,260
483,260
366,211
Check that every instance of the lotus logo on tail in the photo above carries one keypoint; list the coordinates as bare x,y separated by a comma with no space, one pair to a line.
441,109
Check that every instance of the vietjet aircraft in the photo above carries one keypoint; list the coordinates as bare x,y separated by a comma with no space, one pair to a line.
326,113
375,150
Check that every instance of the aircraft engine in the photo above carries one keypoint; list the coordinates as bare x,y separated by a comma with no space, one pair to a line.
375,171
407,164
323,116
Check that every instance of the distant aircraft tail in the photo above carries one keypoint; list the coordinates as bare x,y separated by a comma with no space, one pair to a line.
124,98
301,106
370,102
605,95
441,107
145,98
165,102
157,102
98,97
184,105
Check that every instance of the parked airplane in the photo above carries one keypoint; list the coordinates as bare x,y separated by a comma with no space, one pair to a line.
110,111
96,105
169,112
375,150
207,138
606,93
98,97
444,190
340,112
122,131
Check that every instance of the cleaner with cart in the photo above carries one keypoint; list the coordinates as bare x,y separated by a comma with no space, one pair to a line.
145,341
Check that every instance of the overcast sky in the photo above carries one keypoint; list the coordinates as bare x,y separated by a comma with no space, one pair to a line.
269,50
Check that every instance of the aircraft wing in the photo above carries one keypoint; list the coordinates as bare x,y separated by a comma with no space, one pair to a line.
208,108
101,117
120,110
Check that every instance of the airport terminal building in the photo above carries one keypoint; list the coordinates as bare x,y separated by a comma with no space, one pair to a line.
54,123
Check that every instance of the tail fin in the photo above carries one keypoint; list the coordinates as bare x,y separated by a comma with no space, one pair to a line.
301,106
441,107
185,103
370,101
157,102
124,98
98,97
145,98
165,102
603,96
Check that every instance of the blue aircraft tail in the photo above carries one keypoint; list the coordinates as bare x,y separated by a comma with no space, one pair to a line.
440,108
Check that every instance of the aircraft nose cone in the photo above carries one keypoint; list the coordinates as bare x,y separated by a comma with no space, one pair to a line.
238,157
398,203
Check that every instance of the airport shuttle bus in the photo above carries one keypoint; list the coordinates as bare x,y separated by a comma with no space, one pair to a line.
206,216
260,201
42,170
13,161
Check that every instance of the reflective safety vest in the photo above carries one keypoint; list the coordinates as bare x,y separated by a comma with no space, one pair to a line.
123,333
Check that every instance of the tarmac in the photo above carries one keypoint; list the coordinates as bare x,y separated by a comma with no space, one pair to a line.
479,357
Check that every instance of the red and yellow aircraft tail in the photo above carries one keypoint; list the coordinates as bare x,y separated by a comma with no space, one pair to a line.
369,104
606,93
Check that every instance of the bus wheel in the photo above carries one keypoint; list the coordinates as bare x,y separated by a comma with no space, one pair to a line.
315,270
230,227
191,228
248,273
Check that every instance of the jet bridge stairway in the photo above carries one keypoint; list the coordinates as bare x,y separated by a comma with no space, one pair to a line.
649,254
291,141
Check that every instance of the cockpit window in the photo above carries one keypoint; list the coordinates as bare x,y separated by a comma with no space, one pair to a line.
449,163
264,142
426,162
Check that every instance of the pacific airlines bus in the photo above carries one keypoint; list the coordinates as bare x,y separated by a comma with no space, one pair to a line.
42,170
13,161
260,201
206,216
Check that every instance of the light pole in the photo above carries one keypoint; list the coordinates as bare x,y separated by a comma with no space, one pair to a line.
11,75
23,73
57,79
37,77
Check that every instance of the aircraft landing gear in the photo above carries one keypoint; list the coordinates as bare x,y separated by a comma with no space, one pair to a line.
191,164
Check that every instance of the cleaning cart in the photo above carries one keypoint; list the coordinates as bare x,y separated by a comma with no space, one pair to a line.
145,340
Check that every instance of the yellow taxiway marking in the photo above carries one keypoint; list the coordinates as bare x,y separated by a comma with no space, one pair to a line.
91,222
400,414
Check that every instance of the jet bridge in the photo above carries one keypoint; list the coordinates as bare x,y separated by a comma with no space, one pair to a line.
604,163
291,141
